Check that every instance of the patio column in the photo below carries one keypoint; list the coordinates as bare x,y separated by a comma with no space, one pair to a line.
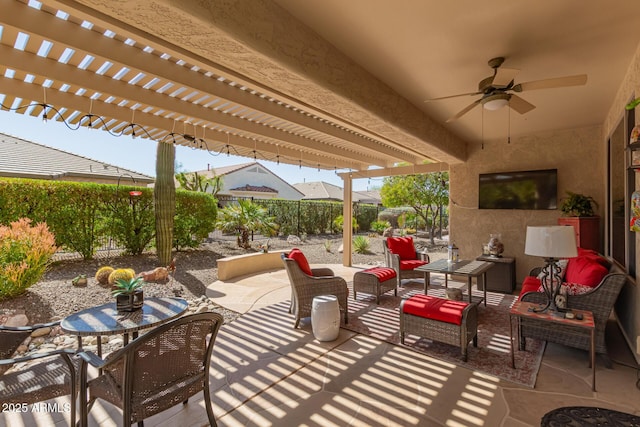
347,213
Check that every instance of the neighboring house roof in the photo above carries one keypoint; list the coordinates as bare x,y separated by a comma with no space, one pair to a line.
274,181
20,158
372,196
261,189
320,190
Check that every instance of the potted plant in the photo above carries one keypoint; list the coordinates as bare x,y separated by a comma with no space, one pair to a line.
128,293
577,211
579,205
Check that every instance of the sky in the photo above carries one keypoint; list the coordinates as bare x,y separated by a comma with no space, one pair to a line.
139,154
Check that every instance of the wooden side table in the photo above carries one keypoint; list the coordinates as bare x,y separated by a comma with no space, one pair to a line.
502,277
525,310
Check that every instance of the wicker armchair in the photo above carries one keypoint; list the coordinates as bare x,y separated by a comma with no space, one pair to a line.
156,371
405,263
304,287
45,375
599,301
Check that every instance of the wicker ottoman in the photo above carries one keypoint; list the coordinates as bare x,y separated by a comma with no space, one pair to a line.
439,319
376,281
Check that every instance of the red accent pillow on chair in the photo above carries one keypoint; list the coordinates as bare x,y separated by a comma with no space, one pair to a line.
297,255
402,246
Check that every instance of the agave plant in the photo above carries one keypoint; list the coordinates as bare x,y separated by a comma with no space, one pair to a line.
127,287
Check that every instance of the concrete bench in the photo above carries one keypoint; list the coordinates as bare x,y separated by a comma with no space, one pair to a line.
241,265
439,319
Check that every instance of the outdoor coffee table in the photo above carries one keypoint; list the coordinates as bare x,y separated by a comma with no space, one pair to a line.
524,310
106,320
469,269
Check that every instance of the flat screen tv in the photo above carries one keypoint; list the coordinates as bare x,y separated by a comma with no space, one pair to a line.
519,190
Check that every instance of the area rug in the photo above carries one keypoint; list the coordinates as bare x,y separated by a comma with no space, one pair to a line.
492,356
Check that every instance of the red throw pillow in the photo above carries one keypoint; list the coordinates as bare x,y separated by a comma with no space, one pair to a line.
402,246
585,270
297,255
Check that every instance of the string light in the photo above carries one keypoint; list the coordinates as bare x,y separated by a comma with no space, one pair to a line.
98,122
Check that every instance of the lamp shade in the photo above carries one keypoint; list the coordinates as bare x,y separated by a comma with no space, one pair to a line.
553,241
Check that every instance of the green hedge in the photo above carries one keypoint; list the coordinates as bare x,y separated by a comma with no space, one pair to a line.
80,214
314,217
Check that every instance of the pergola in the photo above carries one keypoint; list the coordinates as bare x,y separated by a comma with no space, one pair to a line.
68,62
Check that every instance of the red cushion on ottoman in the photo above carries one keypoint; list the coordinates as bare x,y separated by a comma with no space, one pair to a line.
435,308
382,273
402,246
411,264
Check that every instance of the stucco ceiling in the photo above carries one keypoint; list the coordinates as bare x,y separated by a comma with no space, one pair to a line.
428,49
328,83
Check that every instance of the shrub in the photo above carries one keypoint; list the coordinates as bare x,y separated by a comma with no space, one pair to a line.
25,254
361,245
380,226
327,245
339,221
195,218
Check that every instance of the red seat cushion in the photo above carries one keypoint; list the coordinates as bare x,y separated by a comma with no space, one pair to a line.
530,284
410,264
402,246
435,308
585,270
297,255
382,273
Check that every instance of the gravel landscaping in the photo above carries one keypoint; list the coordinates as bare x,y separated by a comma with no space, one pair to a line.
54,297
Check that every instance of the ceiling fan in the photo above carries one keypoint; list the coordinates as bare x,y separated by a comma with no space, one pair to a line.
497,90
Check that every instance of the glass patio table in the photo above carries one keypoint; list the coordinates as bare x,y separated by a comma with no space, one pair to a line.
468,269
106,320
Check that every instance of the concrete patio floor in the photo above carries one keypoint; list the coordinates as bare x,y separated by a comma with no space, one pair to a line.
266,373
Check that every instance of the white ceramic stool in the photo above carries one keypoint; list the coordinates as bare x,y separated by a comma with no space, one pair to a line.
325,317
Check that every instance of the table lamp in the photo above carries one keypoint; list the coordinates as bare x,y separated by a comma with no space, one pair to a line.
551,243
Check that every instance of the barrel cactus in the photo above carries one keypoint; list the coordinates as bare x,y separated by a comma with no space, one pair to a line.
102,275
121,273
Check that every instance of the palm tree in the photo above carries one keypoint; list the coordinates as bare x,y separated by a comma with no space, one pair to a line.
244,218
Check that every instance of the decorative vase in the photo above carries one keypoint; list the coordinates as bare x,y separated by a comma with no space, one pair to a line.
130,302
496,247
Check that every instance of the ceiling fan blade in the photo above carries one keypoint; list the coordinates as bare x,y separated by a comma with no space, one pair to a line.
464,111
452,96
504,76
520,105
578,80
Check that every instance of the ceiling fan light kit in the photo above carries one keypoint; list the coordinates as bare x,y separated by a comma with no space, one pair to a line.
496,90
496,101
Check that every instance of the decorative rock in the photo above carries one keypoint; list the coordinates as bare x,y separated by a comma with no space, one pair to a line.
17,320
22,349
293,240
202,309
388,232
41,332
341,248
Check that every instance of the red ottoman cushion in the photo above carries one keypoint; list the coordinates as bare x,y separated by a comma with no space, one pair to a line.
435,308
382,273
411,264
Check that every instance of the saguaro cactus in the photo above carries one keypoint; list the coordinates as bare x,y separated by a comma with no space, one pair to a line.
164,195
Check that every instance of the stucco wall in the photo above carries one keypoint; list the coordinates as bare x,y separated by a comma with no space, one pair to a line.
578,154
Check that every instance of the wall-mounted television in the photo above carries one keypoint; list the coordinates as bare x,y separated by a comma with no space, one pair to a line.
536,189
